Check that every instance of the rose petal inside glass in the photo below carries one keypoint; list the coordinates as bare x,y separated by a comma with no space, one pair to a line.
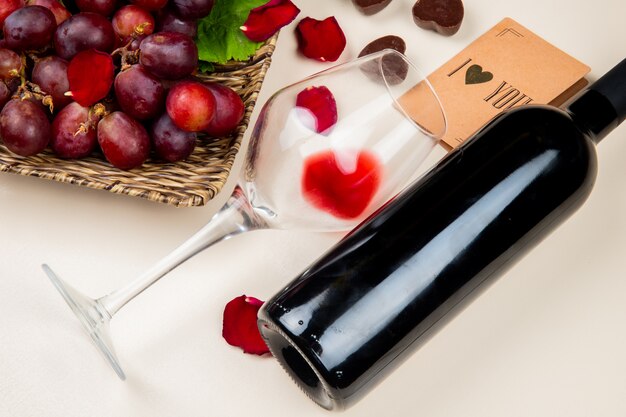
320,109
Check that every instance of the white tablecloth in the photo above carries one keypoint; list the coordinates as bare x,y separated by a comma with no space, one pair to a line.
548,339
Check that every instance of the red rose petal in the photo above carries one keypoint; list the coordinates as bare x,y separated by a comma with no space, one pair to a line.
266,20
240,328
321,107
90,74
321,39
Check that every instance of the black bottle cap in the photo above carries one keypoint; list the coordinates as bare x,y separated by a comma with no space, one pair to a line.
612,85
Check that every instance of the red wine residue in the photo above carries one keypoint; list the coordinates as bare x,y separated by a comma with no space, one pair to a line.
339,188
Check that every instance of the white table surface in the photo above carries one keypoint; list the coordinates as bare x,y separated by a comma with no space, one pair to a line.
548,339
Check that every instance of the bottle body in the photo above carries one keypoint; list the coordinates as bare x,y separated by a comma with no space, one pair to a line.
362,308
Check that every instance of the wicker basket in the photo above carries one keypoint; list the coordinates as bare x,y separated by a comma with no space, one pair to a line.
182,184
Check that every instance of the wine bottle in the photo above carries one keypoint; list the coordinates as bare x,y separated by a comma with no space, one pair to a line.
363,307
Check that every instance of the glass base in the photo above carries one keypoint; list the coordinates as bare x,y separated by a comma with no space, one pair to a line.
93,317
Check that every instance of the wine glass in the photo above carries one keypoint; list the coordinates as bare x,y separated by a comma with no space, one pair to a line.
325,153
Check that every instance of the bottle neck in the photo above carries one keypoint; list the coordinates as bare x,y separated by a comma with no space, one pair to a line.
602,106
594,114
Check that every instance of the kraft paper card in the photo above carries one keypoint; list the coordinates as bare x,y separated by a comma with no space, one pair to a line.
506,67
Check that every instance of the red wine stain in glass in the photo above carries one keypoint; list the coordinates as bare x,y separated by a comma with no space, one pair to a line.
341,189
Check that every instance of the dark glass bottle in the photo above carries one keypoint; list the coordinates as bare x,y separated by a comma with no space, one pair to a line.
370,301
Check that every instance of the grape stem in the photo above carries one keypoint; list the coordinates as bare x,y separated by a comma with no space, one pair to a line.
28,90
139,30
96,113
128,58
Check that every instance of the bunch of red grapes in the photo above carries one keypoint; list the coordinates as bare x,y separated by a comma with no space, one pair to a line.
152,99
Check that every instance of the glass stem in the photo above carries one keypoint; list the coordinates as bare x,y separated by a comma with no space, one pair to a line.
235,217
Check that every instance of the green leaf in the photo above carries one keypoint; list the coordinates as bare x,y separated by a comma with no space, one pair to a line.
220,38
204,66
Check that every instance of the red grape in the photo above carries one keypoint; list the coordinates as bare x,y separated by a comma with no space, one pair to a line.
84,31
192,9
9,62
131,20
150,4
135,44
140,94
24,127
123,140
191,106
170,142
60,13
168,21
72,134
169,55
230,110
5,94
13,84
29,28
159,91
103,7
50,74
7,7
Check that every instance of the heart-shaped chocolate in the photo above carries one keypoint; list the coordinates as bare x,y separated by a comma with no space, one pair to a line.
476,75
369,7
395,68
442,16
385,42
